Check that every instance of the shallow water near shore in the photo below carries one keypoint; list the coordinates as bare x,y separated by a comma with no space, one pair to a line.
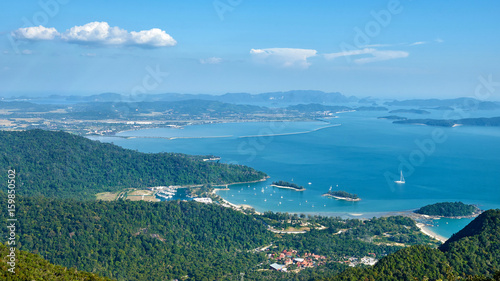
363,156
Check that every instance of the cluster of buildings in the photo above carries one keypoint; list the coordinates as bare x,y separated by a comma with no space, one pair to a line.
352,261
290,257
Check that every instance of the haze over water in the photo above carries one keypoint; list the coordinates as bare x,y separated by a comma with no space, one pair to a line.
462,165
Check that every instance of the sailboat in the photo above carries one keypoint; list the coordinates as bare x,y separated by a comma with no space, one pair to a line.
401,179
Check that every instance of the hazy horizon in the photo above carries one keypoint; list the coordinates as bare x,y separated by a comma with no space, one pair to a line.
30,95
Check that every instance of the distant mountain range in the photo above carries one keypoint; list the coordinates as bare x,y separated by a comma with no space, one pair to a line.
289,97
270,99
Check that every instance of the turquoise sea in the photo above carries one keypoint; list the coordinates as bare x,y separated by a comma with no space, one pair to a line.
361,154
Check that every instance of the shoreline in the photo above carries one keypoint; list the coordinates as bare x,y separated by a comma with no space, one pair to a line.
294,133
427,231
243,182
342,198
287,187
428,217
115,134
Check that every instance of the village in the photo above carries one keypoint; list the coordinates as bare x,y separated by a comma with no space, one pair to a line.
291,261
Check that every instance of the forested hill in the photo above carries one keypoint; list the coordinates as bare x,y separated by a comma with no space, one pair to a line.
476,248
473,251
449,209
487,222
128,240
58,164
33,267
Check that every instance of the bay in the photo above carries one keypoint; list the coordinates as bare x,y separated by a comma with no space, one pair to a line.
355,152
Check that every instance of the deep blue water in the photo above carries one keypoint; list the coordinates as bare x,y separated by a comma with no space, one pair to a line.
363,155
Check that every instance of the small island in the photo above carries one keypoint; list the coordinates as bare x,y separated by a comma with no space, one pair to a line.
288,185
414,111
342,195
483,122
393,117
449,210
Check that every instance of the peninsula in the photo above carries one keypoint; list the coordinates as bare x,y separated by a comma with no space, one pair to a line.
342,195
450,210
288,185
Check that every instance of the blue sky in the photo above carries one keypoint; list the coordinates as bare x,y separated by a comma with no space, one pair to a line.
397,49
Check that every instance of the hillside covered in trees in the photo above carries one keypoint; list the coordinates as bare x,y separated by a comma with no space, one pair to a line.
473,252
33,267
58,164
448,209
128,240
132,240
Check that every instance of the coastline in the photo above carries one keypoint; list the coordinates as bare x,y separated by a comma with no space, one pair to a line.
342,198
422,216
243,182
427,231
287,187
115,134
294,133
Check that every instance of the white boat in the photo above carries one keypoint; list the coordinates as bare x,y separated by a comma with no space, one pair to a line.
401,179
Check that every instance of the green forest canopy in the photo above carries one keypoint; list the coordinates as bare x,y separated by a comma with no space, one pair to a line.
448,209
58,164
473,251
29,266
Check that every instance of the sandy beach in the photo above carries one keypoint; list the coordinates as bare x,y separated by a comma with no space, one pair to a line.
427,231
287,187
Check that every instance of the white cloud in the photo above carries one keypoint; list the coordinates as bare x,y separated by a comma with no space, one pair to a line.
154,37
418,43
283,57
35,33
99,33
349,53
212,60
439,40
378,45
382,55
26,52
376,55
395,45
96,32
